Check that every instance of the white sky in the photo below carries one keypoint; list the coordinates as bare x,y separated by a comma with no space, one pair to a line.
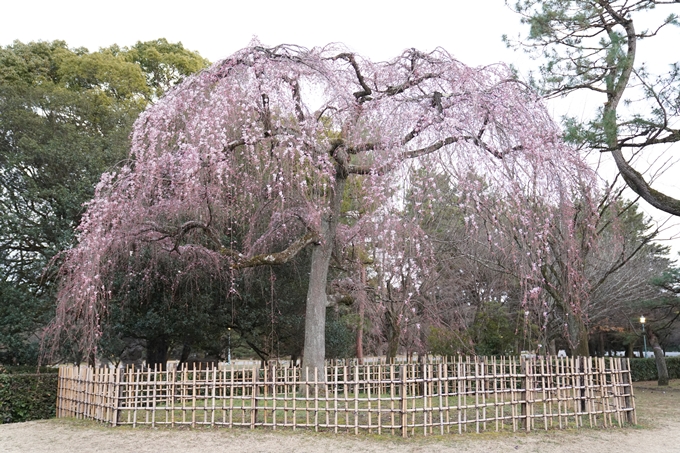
379,29
468,29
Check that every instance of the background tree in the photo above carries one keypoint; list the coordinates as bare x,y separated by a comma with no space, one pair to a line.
592,46
662,314
612,264
65,118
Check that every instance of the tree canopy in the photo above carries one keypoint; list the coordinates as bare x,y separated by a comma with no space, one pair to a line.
596,46
247,163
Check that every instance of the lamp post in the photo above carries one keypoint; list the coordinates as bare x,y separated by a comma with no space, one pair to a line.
229,348
644,335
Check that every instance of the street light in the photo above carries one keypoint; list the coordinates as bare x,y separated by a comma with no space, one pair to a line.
644,335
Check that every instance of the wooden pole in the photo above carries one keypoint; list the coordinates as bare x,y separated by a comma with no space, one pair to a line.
402,394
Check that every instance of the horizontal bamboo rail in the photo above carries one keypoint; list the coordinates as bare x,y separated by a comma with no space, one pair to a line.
441,396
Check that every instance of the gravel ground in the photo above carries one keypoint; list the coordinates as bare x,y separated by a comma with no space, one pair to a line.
658,431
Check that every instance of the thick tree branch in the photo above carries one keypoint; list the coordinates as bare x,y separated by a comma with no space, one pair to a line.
367,169
637,183
268,259
363,95
615,89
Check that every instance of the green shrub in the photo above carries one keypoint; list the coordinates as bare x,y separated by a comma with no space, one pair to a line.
29,369
645,369
340,339
26,397
448,342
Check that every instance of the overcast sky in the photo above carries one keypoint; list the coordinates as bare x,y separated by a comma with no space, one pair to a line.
470,30
380,30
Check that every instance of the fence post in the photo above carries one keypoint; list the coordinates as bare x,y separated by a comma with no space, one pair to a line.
524,394
404,402
628,390
253,400
60,392
582,377
116,378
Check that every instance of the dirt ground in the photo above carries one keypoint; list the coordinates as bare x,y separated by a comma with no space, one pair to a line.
658,431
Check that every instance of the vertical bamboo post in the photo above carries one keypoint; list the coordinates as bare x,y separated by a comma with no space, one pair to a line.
67,394
294,393
392,397
616,387
117,378
89,391
367,378
345,393
135,396
585,389
447,395
402,394
253,400
380,391
193,396
273,390
440,391
601,381
335,399
482,390
628,391
61,391
425,378
76,392
529,392
265,392
306,396
213,390
94,401
524,370
544,394
551,380
461,392
578,389
316,399
154,385
495,389
356,399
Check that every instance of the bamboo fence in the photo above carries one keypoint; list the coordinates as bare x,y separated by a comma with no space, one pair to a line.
466,394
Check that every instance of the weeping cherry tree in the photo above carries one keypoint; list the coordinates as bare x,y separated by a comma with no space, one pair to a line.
246,164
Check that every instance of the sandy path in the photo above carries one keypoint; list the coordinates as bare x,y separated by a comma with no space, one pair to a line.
658,432
59,436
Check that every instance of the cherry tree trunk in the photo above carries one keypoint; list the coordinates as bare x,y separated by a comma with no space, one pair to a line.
314,355
578,336
362,311
315,314
360,334
393,335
